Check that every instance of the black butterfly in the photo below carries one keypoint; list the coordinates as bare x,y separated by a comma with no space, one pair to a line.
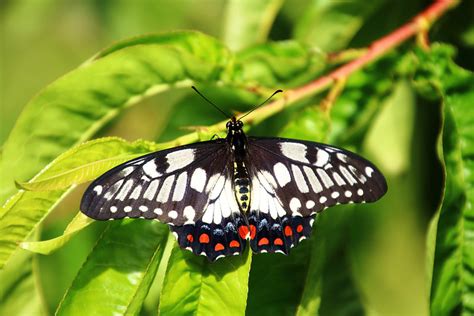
216,195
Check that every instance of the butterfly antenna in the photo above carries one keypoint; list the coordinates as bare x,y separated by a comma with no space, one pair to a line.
209,101
257,106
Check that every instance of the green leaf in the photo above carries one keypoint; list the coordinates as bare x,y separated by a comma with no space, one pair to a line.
119,271
329,279
278,64
22,216
248,22
23,212
76,106
20,292
277,281
195,286
330,25
45,247
452,289
84,162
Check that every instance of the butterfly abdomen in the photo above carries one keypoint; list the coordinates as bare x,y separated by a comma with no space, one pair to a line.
241,185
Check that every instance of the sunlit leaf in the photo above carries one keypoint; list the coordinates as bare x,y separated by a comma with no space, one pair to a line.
47,246
27,209
248,22
119,271
195,286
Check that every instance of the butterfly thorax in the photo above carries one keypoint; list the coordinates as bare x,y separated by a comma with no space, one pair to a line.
238,143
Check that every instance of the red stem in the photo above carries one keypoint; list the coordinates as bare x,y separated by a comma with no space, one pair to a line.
420,23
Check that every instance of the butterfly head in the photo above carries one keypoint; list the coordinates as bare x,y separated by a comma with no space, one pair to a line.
234,126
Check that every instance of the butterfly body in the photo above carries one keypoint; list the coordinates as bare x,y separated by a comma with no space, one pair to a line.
219,194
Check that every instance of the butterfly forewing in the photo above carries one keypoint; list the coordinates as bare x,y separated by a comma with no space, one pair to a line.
292,180
171,185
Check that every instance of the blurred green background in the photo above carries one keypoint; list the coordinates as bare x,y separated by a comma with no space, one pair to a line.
44,39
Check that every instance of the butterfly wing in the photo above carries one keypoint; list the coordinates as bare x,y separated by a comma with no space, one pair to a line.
293,180
187,187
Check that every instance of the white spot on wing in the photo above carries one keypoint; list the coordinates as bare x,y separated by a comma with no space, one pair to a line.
158,211
269,177
226,207
342,157
127,209
212,181
322,158
272,208
338,178
151,190
300,180
325,178
126,171
358,174
369,171
113,189
282,174
165,189
179,159
198,179
98,189
208,214
295,151
173,214
150,169
142,208
217,189
189,214
263,181
124,191
335,195
217,218
313,180
295,205
347,175
180,187
310,204
136,192
113,209
322,200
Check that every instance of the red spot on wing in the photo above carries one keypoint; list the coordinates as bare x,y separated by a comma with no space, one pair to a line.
243,232
263,241
288,231
299,229
278,242
234,244
253,231
204,239
190,238
219,247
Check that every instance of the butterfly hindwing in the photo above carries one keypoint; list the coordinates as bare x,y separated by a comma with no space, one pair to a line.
219,231
293,180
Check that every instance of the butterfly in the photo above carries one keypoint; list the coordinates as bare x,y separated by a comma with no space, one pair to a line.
218,195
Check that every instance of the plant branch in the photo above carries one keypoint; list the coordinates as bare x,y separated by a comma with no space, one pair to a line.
420,24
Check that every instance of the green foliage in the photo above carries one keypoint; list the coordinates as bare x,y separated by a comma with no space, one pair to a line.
410,112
